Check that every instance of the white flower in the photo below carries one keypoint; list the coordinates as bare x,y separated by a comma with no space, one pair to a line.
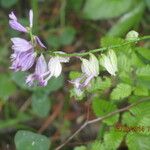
109,61
91,66
90,69
55,67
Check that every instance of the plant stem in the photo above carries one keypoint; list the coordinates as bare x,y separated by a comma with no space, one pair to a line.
99,49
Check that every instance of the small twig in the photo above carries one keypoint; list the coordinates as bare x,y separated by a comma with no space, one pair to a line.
101,119
25,105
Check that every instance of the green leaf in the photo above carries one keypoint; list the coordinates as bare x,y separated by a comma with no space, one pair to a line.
141,91
74,74
19,78
8,3
137,142
144,52
125,77
80,148
138,116
143,76
104,9
108,41
136,61
99,84
26,140
128,21
148,3
75,5
67,35
103,107
53,41
121,91
97,145
53,84
64,36
112,139
40,104
7,87
124,62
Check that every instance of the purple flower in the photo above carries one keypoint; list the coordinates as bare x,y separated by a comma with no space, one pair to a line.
90,69
37,39
21,45
22,61
13,22
44,72
24,56
40,73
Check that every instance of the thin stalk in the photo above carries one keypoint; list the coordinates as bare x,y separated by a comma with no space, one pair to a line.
99,49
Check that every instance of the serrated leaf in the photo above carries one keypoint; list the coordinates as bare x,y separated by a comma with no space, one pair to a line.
102,9
128,21
125,77
121,91
7,87
112,139
80,148
137,142
144,52
99,84
40,104
141,91
138,116
26,140
124,62
143,76
103,107
97,145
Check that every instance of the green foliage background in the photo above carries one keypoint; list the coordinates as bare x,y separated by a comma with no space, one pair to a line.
72,26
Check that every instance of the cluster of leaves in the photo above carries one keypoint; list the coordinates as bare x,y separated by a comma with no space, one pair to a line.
131,84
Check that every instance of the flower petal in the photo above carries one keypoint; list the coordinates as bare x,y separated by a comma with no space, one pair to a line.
54,66
41,66
12,16
21,45
31,18
17,26
39,42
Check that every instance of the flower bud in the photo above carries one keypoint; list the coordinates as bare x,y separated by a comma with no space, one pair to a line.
132,35
91,66
109,61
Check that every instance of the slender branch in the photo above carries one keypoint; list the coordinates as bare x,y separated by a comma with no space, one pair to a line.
101,119
100,49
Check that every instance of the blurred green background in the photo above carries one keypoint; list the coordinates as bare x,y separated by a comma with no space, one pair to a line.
70,26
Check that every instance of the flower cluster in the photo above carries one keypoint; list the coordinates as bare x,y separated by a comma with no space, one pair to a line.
25,56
